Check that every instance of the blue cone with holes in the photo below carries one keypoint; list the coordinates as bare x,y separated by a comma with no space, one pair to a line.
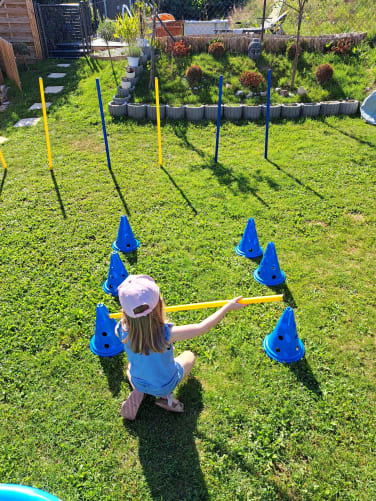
104,342
125,241
249,245
283,344
116,275
269,273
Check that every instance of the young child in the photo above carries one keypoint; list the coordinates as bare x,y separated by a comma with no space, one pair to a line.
148,339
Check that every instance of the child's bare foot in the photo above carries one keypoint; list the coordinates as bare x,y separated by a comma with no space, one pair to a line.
170,404
129,407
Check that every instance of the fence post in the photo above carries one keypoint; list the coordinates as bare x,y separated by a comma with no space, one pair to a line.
103,123
267,114
218,117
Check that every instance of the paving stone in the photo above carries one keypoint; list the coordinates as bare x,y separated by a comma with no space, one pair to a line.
63,65
3,139
53,89
38,106
26,122
56,75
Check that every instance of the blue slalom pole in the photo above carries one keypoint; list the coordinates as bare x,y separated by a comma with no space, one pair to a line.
218,117
103,123
267,114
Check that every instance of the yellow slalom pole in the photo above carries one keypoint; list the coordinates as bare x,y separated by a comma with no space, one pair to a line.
216,304
45,121
2,159
158,122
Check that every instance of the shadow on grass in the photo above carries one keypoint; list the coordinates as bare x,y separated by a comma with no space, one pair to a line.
179,189
226,176
295,179
167,449
180,129
287,295
113,367
3,181
131,257
351,136
304,374
58,194
119,192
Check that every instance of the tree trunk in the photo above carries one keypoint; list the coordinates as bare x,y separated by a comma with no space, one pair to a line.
295,63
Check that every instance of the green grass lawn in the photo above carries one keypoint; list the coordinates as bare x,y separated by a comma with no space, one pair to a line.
253,428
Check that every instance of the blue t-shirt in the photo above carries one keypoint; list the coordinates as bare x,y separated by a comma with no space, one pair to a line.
157,373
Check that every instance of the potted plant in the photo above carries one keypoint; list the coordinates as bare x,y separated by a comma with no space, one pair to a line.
130,72
126,83
134,54
106,30
117,110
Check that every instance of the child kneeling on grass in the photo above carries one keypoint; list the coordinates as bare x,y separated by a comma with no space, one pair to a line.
148,339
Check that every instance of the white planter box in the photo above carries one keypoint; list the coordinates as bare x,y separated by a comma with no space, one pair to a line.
232,112
290,110
125,83
137,111
133,61
151,111
349,107
211,112
274,111
252,112
311,109
329,108
175,112
205,27
194,113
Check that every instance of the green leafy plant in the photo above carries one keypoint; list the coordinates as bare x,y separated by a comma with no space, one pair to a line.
106,30
134,51
127,28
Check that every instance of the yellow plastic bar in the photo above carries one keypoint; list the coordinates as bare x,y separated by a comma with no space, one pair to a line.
2,159
45,121
216,304
158,122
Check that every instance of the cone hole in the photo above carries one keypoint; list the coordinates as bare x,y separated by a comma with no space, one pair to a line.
123,275
280,337
110,286
297,348
277,350
104,334
128,245
106,345
250,250
273,267
274,277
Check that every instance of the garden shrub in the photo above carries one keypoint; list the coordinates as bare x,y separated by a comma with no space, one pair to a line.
180,49
341,47
251,79
324,73
194,74
216,49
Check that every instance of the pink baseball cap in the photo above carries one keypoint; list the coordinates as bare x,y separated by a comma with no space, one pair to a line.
138,290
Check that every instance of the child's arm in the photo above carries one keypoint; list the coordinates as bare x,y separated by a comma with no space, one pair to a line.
182,332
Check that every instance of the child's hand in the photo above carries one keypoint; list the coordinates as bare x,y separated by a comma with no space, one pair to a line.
234,305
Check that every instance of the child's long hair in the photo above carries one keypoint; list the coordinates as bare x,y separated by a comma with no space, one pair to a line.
146,333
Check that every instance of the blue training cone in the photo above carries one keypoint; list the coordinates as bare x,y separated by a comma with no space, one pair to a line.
125,241
283,344
116,275
104,342
249,245
269,273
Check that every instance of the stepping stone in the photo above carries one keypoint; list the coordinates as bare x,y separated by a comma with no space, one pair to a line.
53,89
63,65
56,75
38,106
3,139
26,122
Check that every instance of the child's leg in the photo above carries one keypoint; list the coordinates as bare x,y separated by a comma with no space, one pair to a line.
186,360
130,406
129,376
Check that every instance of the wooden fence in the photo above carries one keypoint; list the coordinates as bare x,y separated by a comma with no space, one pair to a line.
8,62
18,24
238,43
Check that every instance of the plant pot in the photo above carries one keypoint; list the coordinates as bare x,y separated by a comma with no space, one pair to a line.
274,111
311,109
136,110
130,75
123,92
349,107
133,61
151,111
194,113
175,112
117,110
125,83
329,108
251,112
232,112
120,99
290,110
211,112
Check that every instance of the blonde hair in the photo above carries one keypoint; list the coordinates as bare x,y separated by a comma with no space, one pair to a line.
146,333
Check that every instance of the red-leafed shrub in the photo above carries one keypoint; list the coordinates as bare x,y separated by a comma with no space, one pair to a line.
180,49
216,49
251,79
341,47
324,73
194,74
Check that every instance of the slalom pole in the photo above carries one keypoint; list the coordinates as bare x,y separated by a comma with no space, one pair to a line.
215,304
267,114
158,122
103,123
2,159
45,121
218,116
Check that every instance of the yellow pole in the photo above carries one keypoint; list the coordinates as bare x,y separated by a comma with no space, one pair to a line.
2,159
45,121
216,304
158,122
